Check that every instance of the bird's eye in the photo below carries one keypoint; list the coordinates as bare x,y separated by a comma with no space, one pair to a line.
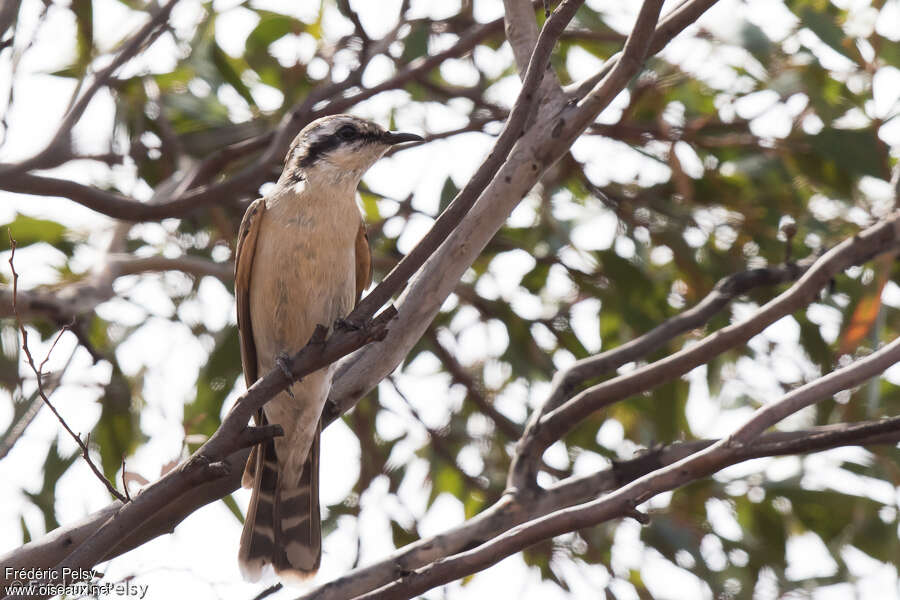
347,132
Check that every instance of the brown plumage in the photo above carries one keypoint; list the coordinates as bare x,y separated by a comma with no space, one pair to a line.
302,260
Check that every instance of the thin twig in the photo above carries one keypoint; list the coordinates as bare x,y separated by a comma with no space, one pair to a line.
124,482
35,403
251,176
268,591
39,376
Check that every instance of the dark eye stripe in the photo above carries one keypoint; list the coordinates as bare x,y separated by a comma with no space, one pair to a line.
325,145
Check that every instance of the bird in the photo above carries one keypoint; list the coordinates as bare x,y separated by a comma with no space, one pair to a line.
302,260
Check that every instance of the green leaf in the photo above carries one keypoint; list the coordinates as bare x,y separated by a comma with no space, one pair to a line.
401,535
271,27
214,383
855,151
26,535
765,531
117,433
888,51
227,68
370,205
755,40
45,498
823,25
416,43
535,279
231,503
27,230
446,478
448,193
84,20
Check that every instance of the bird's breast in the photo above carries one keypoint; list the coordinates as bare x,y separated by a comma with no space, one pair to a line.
303,271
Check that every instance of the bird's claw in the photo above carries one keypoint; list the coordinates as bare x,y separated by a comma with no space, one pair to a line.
284,363
347,324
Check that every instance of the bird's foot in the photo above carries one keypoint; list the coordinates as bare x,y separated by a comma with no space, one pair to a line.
284,363
347,324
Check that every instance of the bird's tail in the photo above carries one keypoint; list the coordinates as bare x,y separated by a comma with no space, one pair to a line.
282,527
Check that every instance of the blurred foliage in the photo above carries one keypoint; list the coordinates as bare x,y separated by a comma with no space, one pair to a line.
723,182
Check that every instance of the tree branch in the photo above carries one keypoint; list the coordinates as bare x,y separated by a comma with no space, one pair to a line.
184,200
509,512
51,548
82,297
637,48
566,381
64,131
521,31
211,461
623,502
448,247
674,23
24,417
543,430
465,199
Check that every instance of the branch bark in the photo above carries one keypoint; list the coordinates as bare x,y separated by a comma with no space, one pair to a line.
82,297
212,461
726,290
534,150
248,179
624,501
544,429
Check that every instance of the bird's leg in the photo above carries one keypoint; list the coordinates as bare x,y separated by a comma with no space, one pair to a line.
284,363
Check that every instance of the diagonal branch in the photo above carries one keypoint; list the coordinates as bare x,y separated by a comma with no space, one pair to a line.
567,381
462,203
674,23
35,402
522,34
508,512
637,48
521,31
82,297
543,430
50,549
456,238
623,502
850,376
211,461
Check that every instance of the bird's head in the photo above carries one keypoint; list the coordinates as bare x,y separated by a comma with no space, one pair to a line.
338,149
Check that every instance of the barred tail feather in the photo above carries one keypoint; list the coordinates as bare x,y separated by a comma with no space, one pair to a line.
258,539
299,520
283,524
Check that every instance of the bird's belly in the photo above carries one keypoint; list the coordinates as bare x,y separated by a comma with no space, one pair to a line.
303,276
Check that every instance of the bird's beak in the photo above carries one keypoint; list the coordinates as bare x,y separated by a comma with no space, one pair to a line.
391,137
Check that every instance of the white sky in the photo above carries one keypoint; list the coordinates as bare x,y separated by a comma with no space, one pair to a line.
199,559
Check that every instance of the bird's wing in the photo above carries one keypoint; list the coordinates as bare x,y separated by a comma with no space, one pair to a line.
363,260
243,266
